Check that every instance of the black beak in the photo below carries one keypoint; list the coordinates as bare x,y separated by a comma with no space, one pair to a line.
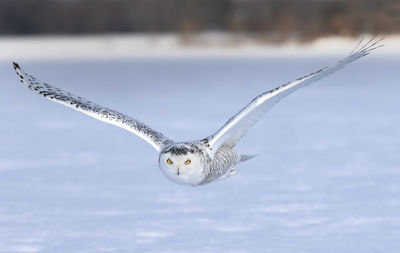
178,172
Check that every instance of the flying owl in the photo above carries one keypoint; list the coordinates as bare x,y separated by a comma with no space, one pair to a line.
203,161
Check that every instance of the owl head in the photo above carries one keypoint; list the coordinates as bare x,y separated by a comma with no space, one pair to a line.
182,164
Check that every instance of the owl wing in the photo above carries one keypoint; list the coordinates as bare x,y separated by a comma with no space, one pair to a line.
153,137
237,126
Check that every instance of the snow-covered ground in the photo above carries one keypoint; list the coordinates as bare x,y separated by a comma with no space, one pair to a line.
206,45
327,178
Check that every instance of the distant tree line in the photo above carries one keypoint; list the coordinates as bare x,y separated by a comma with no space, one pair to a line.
280,18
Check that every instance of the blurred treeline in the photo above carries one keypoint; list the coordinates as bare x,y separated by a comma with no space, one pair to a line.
302,19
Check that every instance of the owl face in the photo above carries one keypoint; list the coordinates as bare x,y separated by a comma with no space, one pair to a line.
182,165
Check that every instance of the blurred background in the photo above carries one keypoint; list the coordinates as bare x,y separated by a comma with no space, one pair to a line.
48,29
328,171
272,20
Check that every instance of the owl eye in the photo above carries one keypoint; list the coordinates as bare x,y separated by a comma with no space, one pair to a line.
169,161
187,162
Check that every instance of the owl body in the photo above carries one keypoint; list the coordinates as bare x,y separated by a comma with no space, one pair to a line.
189,163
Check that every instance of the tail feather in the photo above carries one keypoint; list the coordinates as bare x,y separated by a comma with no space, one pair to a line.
244,157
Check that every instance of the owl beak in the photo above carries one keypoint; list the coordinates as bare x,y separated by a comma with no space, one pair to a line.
178,172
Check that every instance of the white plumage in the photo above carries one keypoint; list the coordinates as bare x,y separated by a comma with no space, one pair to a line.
195,162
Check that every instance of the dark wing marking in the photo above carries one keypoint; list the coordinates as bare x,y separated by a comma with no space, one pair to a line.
153,137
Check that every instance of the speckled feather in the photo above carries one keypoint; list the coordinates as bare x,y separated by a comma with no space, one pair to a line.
221,163
155,138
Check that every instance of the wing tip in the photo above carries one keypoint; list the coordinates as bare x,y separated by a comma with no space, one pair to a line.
19,72
16,66
371,45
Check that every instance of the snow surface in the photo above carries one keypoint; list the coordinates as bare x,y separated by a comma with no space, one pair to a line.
327,178
170,45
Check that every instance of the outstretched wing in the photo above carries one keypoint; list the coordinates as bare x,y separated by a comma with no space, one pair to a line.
237,126
155,138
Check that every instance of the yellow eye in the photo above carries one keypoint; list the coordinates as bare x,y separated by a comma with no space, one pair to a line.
169,161
187,162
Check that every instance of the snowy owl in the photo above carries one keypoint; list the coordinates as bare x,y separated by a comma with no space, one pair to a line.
203,161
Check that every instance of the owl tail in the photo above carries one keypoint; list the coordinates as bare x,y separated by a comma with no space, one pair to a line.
246,157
